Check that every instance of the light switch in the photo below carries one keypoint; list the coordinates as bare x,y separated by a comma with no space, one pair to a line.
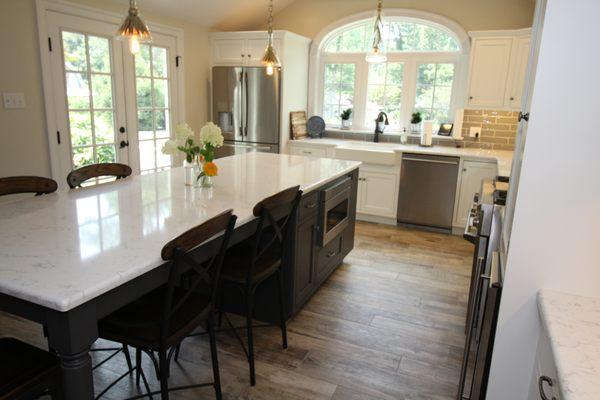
475,131
13,100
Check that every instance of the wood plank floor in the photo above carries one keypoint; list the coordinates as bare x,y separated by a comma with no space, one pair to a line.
388,324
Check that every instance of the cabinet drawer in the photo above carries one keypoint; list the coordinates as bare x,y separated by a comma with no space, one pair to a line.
327,258
308,151
309,206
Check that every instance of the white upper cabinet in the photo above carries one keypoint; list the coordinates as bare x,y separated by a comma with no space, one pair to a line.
241,48
497,69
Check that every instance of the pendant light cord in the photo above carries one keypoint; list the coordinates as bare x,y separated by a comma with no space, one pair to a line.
270,20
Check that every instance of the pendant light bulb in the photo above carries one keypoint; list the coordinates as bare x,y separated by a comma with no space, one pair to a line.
270,59
134,29
377,54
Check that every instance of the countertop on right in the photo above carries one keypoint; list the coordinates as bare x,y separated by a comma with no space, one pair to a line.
573,326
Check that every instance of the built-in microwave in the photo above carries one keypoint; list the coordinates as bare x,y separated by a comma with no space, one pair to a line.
335,209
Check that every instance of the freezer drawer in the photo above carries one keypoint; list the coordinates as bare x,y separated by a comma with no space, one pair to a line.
234,148
427,190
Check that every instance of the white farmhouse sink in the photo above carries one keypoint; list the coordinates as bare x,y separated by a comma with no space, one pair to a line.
383,155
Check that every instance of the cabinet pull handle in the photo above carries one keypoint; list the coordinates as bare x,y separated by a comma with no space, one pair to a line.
331,254
550,383
311,205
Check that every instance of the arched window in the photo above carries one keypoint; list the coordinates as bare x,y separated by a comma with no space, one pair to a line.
421,74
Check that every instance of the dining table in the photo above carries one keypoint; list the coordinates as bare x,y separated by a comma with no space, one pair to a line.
70,258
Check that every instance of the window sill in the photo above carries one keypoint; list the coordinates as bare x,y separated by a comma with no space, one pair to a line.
387,133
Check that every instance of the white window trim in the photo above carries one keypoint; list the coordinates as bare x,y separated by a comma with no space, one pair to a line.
318,58
65,7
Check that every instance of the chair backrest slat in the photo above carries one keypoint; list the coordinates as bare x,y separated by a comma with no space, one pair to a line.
27,184
80,175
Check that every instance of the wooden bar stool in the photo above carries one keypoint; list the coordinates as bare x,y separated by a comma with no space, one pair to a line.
27,184
27,372
157,322
80,175
252,262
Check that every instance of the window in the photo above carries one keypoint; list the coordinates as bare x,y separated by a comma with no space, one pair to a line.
419,75
339,90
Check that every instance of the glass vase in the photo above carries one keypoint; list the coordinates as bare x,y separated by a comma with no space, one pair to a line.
206,181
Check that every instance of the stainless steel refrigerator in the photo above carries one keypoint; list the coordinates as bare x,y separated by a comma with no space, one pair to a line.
246,106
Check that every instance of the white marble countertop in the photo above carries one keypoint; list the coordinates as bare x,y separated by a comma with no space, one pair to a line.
503,158
573,327
63,249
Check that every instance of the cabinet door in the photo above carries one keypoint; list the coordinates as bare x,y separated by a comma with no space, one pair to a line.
378,193
229,51
518,64
255,49
304,282
490,62
473,173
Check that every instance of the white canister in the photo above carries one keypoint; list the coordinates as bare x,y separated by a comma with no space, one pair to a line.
427,134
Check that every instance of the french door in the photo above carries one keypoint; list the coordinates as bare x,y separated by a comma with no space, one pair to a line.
110,106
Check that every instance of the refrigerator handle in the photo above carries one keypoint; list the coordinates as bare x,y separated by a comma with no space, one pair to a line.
241,129
247,98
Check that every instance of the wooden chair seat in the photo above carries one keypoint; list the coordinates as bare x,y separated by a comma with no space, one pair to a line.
235,266
26,371
138,323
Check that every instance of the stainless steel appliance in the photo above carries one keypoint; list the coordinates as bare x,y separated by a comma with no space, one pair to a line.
246,106
484,229
427,190
335,210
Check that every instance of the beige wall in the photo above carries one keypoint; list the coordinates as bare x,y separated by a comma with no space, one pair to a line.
23,138
308,17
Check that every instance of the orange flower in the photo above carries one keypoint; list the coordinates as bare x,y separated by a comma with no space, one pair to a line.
210,168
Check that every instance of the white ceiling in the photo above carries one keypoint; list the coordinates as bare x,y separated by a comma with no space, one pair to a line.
211,13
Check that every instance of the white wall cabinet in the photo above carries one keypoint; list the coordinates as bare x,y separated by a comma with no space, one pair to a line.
378,190
472,173
241,48
497,69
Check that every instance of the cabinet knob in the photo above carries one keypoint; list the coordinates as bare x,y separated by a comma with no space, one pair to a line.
243,55
249,55
512,98
470,97
545,379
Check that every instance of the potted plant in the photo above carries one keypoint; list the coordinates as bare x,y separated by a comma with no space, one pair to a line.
415,122
345,116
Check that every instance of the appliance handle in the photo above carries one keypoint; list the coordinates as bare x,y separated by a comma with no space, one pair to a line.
241,129
247,146
429,161
247,99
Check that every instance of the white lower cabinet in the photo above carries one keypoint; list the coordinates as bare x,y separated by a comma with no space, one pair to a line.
544,381
378,190
473,172
313,151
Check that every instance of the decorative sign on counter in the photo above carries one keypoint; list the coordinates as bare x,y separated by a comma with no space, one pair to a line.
298,124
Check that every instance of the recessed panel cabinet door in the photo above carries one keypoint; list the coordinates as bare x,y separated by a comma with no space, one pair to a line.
516,83
229,51
490,63
378,193
304,279
473,173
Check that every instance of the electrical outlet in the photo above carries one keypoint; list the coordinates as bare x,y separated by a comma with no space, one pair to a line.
13,100
475,131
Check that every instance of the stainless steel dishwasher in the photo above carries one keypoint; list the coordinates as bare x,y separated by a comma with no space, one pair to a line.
427,190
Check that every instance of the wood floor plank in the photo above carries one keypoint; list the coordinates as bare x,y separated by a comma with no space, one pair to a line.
387,325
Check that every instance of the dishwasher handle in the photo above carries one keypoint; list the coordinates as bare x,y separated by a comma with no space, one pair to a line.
429,160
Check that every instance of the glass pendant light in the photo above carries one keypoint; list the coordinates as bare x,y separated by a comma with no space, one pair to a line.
377,54
270,59
134,29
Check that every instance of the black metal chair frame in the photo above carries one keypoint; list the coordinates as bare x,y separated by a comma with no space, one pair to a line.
281,232
183,267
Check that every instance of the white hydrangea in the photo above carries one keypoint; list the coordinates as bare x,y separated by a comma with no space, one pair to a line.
183,132
211,134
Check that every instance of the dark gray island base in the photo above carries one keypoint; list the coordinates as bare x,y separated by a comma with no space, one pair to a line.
323,236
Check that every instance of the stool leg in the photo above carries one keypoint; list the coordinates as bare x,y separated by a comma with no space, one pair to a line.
214,357
164,374
249,310
281,310
127,356
138,366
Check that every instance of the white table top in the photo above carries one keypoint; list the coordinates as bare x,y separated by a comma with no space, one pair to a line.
63,249
573,327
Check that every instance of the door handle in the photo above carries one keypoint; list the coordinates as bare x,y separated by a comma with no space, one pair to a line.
550,383
523,117
123,144
429,161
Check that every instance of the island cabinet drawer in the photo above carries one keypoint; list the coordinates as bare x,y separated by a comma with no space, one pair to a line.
327,258
309,206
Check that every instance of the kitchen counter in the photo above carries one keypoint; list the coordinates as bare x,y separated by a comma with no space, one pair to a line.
572,324
63,249
503,158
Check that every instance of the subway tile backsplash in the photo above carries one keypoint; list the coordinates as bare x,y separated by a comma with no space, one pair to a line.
498,131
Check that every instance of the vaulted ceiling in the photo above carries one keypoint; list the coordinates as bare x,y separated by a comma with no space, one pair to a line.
220,14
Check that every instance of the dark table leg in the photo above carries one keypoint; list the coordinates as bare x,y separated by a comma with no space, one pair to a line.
71,335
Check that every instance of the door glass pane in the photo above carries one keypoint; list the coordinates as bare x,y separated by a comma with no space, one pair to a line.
89,98
153,103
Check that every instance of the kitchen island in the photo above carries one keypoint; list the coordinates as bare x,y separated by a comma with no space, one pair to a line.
72,257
